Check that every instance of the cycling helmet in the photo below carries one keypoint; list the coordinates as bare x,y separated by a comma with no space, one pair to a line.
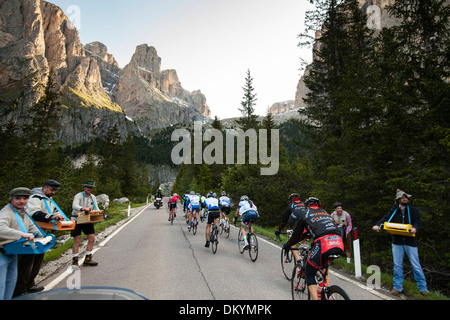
223,193
245,198
313,201
192,193
210,195
294,197
214,195
174,195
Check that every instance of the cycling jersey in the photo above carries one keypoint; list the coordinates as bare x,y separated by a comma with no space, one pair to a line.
212,204
173,201
225,201
202,201
248,211
194,202
292,214
245,206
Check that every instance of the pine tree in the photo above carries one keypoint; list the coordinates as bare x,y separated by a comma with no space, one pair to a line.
248,119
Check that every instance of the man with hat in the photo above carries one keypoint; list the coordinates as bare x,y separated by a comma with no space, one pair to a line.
11,231
404,213
41,207
84,202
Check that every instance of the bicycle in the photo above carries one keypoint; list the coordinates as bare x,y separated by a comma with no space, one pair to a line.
214,238
194,224
300,289
225,228
172,215
252,240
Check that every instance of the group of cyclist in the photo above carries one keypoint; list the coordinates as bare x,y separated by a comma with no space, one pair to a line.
216,209
307,219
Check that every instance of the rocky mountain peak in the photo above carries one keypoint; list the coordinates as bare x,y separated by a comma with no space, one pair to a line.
156,98
37,38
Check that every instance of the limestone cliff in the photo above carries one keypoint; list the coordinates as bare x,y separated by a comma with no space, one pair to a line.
155,98
378,18
36,39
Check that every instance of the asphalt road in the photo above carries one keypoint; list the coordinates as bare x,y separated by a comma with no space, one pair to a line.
167,262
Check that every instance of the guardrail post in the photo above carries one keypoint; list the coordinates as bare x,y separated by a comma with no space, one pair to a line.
356,253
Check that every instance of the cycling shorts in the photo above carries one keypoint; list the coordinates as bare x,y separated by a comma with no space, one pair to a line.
226,210
324,247
195,208
173,206
250,217
213,215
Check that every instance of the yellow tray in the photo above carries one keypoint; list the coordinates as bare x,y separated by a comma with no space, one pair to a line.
399,229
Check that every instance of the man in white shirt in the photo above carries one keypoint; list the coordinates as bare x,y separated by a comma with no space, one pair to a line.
84,202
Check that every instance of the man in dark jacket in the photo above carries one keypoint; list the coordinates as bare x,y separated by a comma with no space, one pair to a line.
404,213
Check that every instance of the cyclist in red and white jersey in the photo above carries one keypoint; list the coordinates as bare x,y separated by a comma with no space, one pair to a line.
172,203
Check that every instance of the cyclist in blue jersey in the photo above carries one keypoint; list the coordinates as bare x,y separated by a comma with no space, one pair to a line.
212,205
225,207
184,197
249,214
193,208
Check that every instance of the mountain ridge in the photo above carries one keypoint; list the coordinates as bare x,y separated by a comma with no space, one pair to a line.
36,39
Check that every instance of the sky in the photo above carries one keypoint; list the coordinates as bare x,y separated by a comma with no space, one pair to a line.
210,43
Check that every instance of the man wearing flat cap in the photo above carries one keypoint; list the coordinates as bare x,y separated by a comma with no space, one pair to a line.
404,213
11,231
84,202
41,207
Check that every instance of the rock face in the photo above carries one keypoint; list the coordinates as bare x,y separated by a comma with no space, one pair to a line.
36,39
378,17
282,107
155,98
109,68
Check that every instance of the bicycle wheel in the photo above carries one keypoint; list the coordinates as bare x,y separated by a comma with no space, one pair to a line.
253,247
227,229
214,239
241,242
299,288
194,226
336,293
287,263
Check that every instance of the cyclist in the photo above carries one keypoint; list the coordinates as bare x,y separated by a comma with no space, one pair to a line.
327,240
172,203
212,205
293,212
193,208
202,206
249,214
225,207
185,199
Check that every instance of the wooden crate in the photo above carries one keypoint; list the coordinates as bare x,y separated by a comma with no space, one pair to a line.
92,217
59,226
